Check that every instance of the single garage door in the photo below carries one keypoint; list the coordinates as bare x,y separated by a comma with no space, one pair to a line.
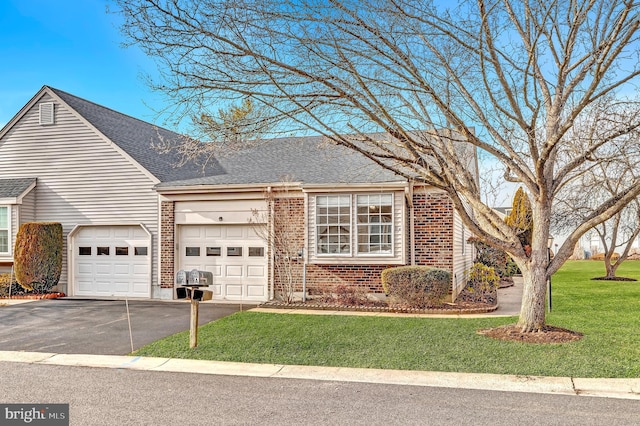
235,255
112,261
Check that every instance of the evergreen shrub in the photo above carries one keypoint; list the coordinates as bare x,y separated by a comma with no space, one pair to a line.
416,286
38,255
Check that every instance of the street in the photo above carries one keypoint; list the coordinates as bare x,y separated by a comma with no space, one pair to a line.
104,396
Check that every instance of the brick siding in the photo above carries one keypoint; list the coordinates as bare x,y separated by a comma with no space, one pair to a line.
167,244
433,221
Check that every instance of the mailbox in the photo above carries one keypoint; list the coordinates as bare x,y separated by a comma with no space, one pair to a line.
200,278
189,283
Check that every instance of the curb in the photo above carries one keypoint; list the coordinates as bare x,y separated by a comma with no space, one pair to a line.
609,388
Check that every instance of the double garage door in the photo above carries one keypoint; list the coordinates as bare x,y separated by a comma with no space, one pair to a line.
112,261
235,254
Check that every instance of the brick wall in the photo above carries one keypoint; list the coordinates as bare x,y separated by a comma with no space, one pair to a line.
433,221
167,244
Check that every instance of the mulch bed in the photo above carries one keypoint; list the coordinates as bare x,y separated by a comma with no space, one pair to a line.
548,334
459,308
36,296
613,279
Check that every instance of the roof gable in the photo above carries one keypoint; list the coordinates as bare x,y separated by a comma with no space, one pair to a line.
135,137
15,188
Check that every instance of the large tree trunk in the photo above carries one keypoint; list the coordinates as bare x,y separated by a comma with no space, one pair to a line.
534,272
532,313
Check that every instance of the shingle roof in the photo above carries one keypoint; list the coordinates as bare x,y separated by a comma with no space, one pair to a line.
136,138
301,159
14,187
309,160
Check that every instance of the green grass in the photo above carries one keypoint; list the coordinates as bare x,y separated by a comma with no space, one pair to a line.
607,313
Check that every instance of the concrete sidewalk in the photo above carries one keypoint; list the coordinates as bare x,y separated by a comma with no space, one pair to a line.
611,388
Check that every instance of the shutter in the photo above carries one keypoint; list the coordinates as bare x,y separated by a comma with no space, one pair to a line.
46,113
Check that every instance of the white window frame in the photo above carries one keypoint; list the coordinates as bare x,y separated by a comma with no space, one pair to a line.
321,224
354,252
8,229
371,225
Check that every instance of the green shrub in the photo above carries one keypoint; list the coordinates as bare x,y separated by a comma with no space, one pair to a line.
38,255
483,283
416,286
491,256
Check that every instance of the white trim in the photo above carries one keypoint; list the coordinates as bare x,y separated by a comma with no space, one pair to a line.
71,285
8,229
398,227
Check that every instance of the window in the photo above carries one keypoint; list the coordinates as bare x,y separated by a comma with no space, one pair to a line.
140,251
192,251
4,229
333,224
122,251
102,251
256,251
234,251
375,220
84,251
214,251
354,225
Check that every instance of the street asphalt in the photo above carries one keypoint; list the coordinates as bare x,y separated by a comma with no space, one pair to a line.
95,334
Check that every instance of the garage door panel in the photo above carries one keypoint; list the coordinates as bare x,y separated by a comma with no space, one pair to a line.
234,254
256,291
124,270
234,232
211,232
234,290
233,271
255,271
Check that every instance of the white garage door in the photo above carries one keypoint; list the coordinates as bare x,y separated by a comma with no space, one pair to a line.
112,261
235,255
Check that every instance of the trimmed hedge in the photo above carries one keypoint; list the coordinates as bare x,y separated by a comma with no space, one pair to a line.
38,255
416,286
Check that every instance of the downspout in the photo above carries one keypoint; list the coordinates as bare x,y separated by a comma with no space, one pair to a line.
304,274
272,258
408,191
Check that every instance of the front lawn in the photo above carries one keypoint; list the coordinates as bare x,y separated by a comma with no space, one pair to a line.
607,313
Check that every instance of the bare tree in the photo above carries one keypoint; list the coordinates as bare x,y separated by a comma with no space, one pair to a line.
279,227
511,78
596,185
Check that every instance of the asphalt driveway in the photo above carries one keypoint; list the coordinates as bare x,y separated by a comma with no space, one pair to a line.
98,327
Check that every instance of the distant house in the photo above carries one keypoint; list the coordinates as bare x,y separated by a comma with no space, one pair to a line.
132,219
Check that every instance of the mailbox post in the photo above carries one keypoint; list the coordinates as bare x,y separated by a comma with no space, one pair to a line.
190,283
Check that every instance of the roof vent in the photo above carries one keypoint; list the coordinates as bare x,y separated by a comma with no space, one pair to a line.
46,113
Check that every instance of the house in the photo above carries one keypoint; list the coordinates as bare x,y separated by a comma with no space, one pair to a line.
132,219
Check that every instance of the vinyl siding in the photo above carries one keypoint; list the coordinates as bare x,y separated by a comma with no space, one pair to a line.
82,178
462,253
399,214
28,207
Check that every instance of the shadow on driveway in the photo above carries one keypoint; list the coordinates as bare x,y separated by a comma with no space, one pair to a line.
97,327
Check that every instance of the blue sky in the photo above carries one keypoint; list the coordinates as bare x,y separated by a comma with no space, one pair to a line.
72,45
